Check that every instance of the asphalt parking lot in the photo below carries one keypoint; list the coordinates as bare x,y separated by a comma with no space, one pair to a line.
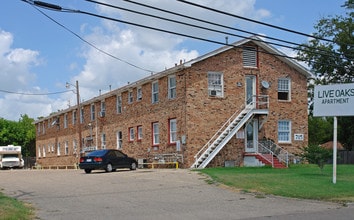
151,194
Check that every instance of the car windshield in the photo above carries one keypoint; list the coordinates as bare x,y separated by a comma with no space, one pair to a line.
97,153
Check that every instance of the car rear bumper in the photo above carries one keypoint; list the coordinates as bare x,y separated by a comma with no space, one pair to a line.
92,166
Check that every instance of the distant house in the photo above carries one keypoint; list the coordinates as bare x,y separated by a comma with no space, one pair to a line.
233,106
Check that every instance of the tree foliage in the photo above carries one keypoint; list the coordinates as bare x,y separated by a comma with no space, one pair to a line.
21,133
333,63
315,154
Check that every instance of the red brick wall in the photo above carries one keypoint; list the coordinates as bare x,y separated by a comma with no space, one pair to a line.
198,115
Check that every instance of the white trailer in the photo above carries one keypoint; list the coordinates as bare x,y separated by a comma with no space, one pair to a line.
11,157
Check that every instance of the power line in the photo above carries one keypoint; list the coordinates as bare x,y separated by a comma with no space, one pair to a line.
254,21
320,51
56,8
39,3
34,94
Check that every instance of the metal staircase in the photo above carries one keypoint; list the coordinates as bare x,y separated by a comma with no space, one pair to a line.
258,105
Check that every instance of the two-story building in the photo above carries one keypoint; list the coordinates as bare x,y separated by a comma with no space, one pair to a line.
233,106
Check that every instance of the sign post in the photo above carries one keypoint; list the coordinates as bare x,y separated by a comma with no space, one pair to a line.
334,100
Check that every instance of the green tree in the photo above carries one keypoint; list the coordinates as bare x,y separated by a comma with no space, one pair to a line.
20,133
315,154
333,61
320,130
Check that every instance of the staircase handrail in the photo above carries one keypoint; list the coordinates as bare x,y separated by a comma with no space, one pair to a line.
265,150
279,152
256,101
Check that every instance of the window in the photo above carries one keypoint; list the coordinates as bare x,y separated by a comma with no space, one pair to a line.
82,116
284,89
65,120
130,97
93,112
103,109
155,92
173,130
58,149
215,84
131,134
103,141
43,151
155,133
284,131
39,152
140,132
66,148
74,147
172,87
119,140
48,148
139,94
43,129
119,104
249,57
74,117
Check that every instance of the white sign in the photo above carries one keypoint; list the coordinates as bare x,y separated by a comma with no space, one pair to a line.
298,137
334,100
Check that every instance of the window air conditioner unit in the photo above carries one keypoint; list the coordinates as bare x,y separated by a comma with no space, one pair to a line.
212,92
102,114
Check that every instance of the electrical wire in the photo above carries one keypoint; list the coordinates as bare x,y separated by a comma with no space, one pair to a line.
58,8
38,3
254,21
34,94
319,51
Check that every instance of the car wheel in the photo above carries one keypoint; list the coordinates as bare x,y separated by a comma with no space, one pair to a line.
133,166
87,171
109,168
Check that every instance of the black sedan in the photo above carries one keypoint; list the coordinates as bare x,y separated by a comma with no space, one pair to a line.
107,159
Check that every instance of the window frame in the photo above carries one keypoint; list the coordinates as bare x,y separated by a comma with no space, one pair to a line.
66,120
119,104
103,141
154,92
284,131
172,92
282,90
139,132
155,132
119,136
139,94
130,97
131,134
172,133
93,112
215,83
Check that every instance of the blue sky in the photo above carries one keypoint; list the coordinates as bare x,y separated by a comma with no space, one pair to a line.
37,56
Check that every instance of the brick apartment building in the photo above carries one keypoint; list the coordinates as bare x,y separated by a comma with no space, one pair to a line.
227,107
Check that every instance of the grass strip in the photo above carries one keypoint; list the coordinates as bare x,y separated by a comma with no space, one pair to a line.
12,209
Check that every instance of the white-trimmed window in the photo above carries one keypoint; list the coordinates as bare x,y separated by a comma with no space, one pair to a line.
93,112
119,104
173,130
249,57
155,92
74,117
103,109
140,132
284,89
43,151
215,84
82,116
139,94
284,131
66,147
130,97
119,140
65,120
103,141
39,152
75,146
155,134
58,149
131,134
172,87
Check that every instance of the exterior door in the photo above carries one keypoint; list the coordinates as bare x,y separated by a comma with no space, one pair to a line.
251,136
250,90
